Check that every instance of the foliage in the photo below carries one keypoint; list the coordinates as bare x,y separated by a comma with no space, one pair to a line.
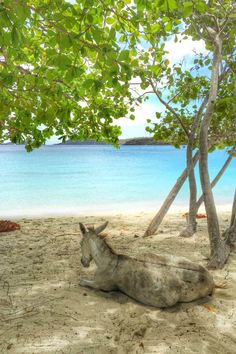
61,72
181,89
70,69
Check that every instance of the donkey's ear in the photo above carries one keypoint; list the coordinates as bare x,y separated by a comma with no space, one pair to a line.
101,228
82,228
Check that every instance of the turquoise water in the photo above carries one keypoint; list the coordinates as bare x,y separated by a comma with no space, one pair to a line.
74,179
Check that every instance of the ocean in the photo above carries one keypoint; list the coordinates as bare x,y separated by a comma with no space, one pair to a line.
73,180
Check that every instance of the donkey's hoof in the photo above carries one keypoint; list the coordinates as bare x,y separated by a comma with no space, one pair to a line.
83,282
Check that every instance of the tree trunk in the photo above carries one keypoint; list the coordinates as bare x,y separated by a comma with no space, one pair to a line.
216,179
157,220
230,233
219,250
191,227
191,218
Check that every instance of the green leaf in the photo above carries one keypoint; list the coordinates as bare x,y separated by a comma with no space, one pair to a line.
22,12
155,28
168,27
97,35
15,36
172,5
88,83
90,18
62,61
165,19
188,4
124,55
200,6
187,11
110,20
65,41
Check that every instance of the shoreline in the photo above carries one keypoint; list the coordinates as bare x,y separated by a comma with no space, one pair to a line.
101,210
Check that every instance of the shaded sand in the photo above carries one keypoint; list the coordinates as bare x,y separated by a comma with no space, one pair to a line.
44,310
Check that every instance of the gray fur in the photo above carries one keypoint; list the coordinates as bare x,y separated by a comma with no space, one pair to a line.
155,280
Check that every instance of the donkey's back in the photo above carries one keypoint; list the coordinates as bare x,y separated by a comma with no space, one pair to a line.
162,281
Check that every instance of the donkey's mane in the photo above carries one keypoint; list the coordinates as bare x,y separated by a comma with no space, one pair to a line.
108,246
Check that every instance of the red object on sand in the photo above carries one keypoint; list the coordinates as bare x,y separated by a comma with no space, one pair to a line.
198,216
6,226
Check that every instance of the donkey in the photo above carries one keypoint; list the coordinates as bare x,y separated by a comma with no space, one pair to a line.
154,280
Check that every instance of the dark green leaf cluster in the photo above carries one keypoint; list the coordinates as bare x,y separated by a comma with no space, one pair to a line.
62,71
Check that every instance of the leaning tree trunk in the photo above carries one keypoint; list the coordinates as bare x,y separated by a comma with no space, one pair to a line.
157,220
230,233
217,178
219,249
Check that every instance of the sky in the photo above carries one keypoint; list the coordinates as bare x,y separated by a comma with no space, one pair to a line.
185,50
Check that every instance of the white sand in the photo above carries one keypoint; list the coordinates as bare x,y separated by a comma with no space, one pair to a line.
44,310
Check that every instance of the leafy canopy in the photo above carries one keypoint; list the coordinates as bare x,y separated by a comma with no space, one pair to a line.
62,71
183,88
71,70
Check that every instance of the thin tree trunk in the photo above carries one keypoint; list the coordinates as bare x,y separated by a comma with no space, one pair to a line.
219,250
233,215
230,233
191,219
216,179
157,220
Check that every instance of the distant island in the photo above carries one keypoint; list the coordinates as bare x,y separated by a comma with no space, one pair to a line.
141,141
131,141
85,142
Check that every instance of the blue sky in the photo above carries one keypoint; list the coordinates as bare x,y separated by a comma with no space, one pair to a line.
184,50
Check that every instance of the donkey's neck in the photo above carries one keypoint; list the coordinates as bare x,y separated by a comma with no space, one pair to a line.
102,253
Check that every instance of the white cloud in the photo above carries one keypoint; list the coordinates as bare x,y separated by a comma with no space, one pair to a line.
183,48
135,128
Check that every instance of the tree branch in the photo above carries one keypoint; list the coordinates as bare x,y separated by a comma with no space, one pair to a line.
177,116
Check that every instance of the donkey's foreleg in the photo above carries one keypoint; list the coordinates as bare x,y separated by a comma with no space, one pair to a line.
97,284
89,283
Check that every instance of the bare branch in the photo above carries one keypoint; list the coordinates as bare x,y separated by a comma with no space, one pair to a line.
177,116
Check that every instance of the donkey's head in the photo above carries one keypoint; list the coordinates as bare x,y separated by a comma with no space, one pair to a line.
87,233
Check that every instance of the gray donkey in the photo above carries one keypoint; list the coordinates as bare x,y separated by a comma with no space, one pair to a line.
155,280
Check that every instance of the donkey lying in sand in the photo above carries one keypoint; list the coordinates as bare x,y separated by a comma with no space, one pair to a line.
155,280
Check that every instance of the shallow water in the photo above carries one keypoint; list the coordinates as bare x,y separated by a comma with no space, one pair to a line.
72,179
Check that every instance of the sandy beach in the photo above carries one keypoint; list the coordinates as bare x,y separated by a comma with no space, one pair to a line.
44,310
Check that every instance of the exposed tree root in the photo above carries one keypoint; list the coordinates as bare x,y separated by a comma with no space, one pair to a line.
189,231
